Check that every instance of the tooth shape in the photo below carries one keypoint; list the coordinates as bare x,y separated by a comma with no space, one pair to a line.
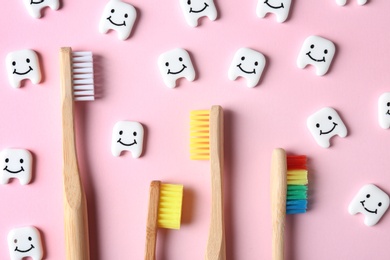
249,64
370,201
343,2
25,242
384,110
324,124
175,64
34,7
316,51
195,9
23,64
280,8
127,136
15,163
118,16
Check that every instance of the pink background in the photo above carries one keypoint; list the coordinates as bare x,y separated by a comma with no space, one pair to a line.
271,115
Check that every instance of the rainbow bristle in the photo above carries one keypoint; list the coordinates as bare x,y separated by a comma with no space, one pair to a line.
200,135
296,184
169,209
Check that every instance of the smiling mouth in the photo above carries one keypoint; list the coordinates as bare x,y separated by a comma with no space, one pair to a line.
325,133
199,11
13,172
388,112
36,3
24,251
116,24
322,60
274,7
177,72
133,143
247,72
375,211
22,73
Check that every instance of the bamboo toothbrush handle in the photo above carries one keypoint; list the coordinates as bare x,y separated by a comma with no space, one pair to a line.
278,201
75,206
151,223
216,248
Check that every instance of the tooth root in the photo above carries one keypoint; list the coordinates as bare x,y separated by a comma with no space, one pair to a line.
281,11
35,8
192,13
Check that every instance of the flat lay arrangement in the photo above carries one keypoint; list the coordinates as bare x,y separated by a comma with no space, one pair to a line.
214,126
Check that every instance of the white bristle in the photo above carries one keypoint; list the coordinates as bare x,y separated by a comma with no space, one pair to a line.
83,87
83,82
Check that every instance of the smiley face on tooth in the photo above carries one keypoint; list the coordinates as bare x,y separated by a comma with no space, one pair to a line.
25,242
370,201
175,64
118,16
127,136
280,8
249,64
318,52
195,9
324,124
15,163
21,65
384,110
316,60
368,210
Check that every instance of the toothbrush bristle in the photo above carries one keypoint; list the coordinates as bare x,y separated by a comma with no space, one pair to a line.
82,70
169,208
296,184
200,135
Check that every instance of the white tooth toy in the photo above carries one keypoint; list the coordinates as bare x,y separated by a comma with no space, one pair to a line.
372,202
25,242
23,64
280,8
324,124
127,136
343,2
15,163
316,51
195,9
175,64
249,64
118,16
34,7
384,110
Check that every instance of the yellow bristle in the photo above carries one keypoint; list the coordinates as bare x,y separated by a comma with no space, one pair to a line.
169,209
200,135
297,177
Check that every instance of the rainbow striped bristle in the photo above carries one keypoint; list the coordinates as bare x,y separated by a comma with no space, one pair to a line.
297,181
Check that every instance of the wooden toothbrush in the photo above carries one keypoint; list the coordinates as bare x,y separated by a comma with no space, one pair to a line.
206,143
76,84
288,194
165,202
